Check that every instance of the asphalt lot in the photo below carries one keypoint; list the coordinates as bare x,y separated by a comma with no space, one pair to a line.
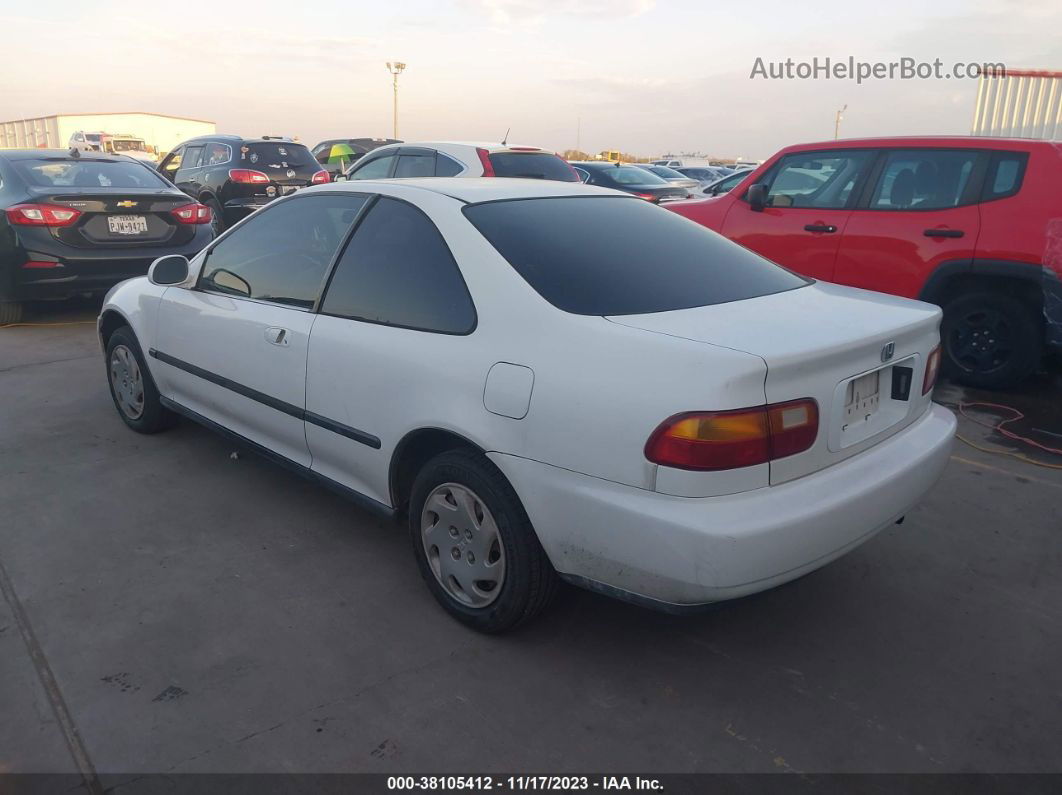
195,612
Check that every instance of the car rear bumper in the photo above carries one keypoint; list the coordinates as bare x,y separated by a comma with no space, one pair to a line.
677,552
89,271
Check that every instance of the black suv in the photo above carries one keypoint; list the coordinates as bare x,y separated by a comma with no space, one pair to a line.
234,176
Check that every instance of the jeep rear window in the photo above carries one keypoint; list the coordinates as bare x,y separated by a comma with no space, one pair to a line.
536,165
606,255
280,154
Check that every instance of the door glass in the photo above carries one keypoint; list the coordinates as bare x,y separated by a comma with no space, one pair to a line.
923,179
172,163
823,180
191,156
416,166
282,252
397,270
378,168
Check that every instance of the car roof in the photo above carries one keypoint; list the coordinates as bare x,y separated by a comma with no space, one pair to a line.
928,141
229,138
490,146
63,154
472,191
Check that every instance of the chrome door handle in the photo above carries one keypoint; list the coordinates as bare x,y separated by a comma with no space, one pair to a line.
277,336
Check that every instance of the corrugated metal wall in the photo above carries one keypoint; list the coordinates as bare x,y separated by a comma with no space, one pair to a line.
1026,104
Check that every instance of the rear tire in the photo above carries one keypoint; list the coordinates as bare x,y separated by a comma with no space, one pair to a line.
133,390
217,216
493,598
10,312
990,340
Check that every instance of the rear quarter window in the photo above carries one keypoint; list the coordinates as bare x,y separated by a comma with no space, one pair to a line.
1006,170
622,256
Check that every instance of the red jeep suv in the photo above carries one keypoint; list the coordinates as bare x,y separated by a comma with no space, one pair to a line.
971,224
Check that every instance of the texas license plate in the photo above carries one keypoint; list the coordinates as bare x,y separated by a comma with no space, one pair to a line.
861,397
127,224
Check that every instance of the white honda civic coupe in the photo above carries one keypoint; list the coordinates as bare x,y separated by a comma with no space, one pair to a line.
548,381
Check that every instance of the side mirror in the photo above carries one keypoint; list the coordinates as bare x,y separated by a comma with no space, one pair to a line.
171,269
757,196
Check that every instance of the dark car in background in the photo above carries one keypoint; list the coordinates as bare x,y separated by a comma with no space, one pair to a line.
76,223
337,155
671,175
628,178
234,176
705,175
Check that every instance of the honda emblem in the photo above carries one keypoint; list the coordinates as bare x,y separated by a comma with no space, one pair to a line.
888,351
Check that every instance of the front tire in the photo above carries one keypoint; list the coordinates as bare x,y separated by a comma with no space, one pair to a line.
217,217
990,340
475,545
133,390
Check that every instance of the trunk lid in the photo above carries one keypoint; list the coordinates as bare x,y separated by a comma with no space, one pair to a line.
115,217
860,355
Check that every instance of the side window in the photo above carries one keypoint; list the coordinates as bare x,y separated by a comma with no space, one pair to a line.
416,166
823,180
584,175
216,154
192,156
1005,174
924,179
172,162
282,253
447,166
377,168
320,153
397,270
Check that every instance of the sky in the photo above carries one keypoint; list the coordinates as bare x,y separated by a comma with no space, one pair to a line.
647,77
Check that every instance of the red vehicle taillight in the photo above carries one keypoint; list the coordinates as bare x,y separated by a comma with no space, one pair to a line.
647,196
247,176
320,178
932,370
714,440
192,214
42,215
484,159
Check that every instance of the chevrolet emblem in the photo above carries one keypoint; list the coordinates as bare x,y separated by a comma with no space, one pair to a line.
127,203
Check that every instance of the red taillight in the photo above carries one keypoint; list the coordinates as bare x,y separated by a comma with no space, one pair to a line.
649,197
484,159
42,215
932,370
714,440
37,264
320,178
192,214
246,176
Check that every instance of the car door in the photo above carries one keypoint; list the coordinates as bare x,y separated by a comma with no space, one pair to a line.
188,176
809,196
233,347
920,212
393,321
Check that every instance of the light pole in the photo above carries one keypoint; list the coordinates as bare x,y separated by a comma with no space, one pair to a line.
836,121
395,68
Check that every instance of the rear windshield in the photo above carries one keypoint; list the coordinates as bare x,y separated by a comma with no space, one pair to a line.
632,175
58,173
280,154
537,165
619,256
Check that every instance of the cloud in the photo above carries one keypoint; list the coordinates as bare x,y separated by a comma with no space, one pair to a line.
534,12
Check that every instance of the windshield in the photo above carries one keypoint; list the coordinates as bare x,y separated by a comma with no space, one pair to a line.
666,173
279,154
128,145
47,173
622,256
537,165
632,175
